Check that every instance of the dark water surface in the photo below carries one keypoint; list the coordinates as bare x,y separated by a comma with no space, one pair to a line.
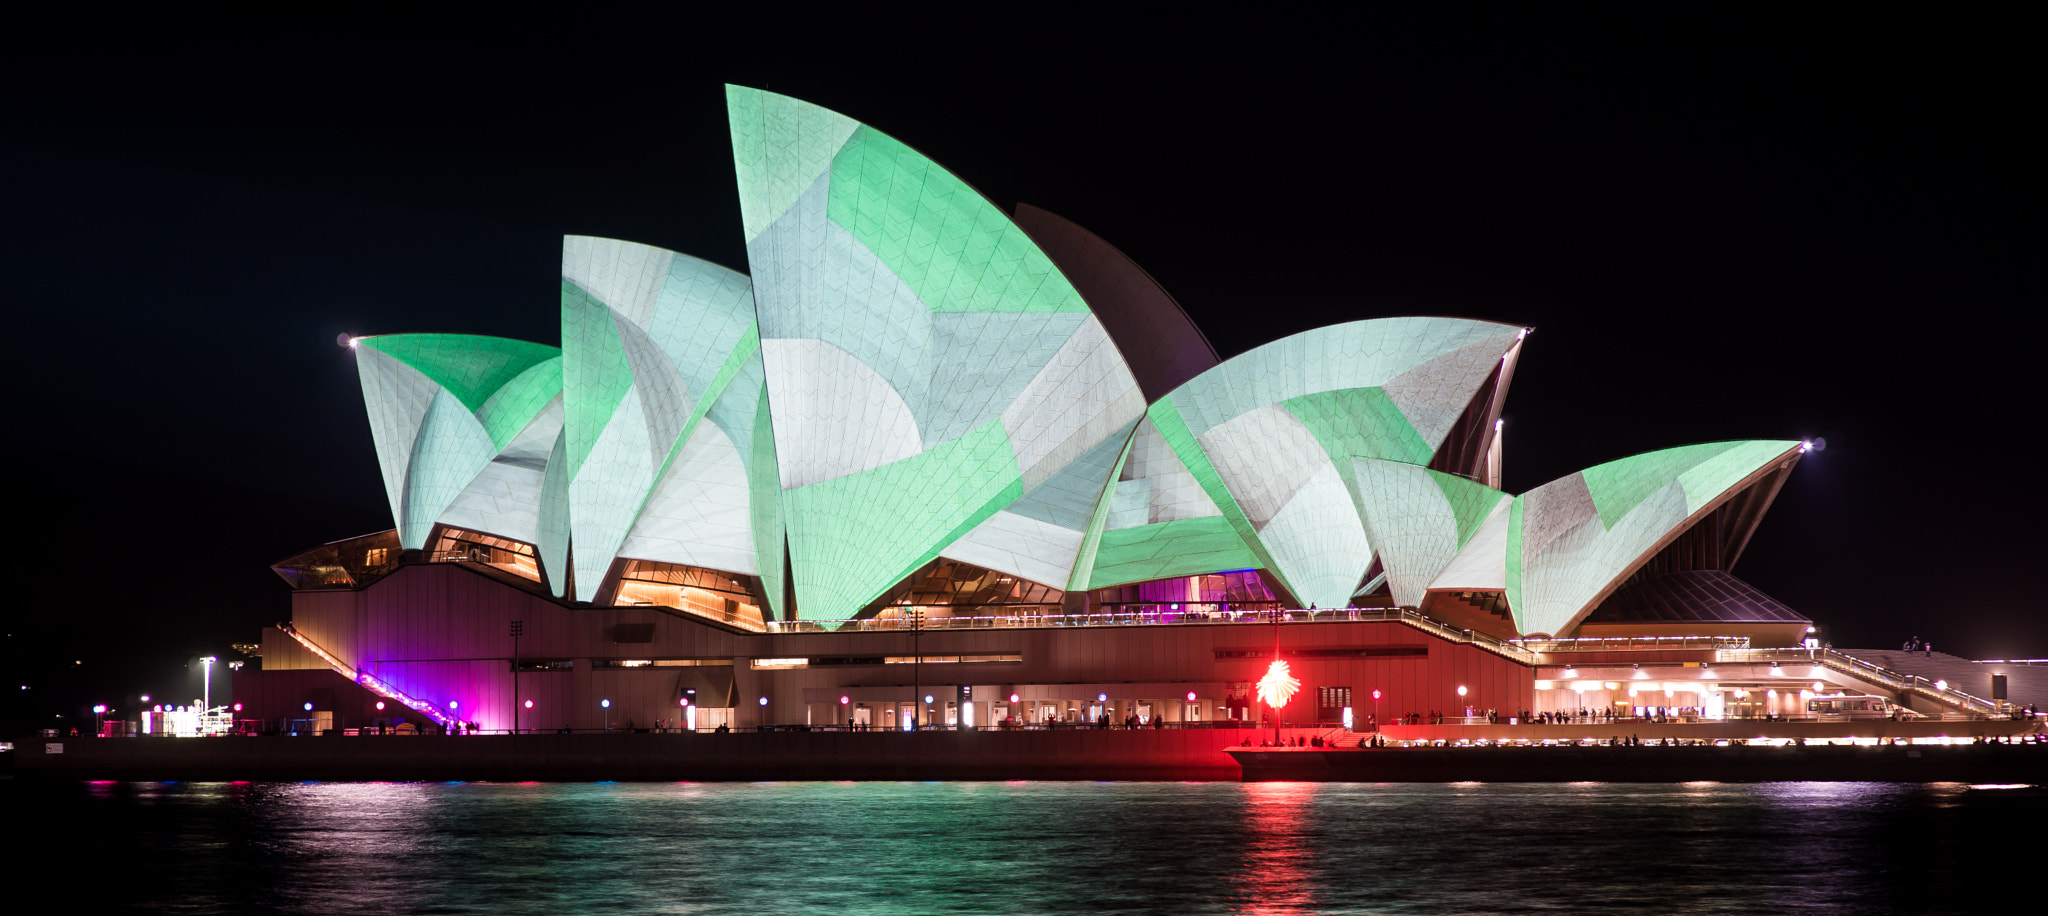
1024,847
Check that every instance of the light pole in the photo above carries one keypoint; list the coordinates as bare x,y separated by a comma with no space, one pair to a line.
1375,710
916,667
607,704
518,627
1275,689
206,698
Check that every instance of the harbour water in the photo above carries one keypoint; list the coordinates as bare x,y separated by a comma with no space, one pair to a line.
1023,847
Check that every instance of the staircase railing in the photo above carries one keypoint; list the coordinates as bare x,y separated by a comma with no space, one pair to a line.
375,684
1849,664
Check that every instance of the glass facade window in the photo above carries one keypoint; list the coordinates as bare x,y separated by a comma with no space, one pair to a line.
474,548
706,593
1233,592
950,588
351,563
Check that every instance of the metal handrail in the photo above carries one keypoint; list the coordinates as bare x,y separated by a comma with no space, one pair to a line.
371,681
1219,618
1600,643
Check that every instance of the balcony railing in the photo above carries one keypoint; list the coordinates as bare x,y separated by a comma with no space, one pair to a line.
1606,643
1135,619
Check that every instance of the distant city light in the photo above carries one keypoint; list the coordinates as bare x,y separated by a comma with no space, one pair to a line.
927,699
1191,696
145,697
380,705
99,709
844,699
606,703
309,707
764,700
529,703
1013,697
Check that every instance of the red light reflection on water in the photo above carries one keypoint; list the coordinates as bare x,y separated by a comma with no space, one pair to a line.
1276,877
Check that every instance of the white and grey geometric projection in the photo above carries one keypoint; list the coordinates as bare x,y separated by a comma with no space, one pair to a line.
907,375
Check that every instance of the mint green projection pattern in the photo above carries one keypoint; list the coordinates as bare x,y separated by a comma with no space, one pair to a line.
1418,519
934,384
653,343
907,376
441,407
1571,539
1270,438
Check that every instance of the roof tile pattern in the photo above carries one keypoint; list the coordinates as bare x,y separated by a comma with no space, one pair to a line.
927,364
907,375
1571,540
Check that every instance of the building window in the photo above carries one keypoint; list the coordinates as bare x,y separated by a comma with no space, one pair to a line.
488,551
1330,703
706,593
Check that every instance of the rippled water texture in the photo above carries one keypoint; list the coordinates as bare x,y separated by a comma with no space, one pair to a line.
1057,848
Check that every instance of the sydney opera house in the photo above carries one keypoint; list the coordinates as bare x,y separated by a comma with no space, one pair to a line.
930,462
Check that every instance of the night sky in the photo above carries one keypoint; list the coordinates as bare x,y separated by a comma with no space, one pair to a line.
1720,227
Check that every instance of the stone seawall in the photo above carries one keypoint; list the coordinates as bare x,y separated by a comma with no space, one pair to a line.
1171,754
1991,763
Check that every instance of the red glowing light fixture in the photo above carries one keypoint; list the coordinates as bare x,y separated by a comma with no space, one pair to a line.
1278,686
